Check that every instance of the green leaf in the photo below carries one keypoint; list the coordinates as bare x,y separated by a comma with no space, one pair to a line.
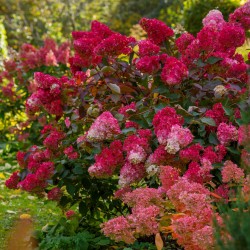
65,173
83,209
70,188
115,98
115,88
103,242
141,121
213,139
93,72
209,121
159,107
119,117
245,116
202,132
78,170
161,90
213,60
233,150
107,69
228,111
174,96
128,130
64,201
200,63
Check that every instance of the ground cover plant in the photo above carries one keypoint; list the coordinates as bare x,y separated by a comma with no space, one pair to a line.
147,138
17,205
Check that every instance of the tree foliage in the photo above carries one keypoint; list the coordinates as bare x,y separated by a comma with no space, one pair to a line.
32,21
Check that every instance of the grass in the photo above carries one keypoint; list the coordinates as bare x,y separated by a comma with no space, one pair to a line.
14,203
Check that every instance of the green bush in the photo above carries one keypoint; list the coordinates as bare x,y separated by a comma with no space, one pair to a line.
236,218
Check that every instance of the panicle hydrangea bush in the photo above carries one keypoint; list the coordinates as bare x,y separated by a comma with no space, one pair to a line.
17,84
144,135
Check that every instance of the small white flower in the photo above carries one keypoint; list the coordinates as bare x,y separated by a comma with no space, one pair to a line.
219,91
172,147
54,86
152,170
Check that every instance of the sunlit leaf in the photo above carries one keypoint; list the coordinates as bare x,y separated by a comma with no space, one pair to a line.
209,121
114,87
158,242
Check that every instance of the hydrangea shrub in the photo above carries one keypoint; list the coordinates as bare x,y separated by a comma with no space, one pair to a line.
150,134
17,84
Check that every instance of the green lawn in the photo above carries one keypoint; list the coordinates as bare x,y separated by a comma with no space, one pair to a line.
14,203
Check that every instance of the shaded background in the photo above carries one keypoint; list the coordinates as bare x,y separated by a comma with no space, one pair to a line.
30,21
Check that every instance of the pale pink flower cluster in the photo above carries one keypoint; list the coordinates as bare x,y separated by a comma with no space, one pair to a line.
119,229
232,173
33,103
204,237
192,199
105,127
214,18
131,173
227,133
143,197
193,202
151,169
50,55
137,148
178,138
50,59
244,135
246,187
120,193
245,158
163,122
145,203
137,155
143,220
206,167
183,192
168,176
184,228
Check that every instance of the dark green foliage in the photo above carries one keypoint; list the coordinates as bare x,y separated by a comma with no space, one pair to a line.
236,218
80,241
